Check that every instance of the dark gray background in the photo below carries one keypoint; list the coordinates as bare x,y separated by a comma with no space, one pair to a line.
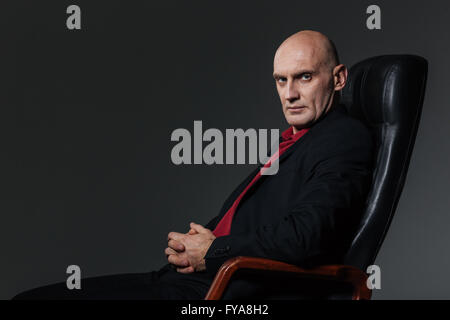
86,118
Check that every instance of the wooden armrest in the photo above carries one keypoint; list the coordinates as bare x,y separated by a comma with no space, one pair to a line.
342,273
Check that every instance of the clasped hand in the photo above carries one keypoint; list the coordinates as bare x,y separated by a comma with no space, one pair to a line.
187,250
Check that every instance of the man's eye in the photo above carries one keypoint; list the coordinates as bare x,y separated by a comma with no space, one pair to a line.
281,80
306,76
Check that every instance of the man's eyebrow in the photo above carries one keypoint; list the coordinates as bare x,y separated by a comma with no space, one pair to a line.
276,75
303,72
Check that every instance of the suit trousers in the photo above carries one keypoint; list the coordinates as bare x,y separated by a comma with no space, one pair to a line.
165,284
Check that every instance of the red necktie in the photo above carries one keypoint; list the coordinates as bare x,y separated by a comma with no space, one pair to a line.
224,226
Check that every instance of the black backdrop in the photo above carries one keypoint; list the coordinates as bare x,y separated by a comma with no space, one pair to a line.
86,119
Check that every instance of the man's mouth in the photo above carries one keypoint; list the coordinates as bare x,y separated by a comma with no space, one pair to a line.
296,108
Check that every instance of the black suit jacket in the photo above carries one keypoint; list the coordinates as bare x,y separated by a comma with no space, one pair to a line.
307,212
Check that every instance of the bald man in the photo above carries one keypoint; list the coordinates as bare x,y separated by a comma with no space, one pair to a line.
305,214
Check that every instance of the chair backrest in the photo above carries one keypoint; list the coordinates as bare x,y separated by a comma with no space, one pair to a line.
386,93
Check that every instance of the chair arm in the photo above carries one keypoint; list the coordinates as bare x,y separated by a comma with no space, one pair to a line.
342,273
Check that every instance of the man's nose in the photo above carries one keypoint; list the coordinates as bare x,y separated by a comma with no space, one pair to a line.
292,93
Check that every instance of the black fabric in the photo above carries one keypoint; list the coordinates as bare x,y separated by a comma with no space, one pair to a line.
155,285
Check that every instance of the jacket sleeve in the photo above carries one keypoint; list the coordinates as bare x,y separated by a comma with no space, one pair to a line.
338,168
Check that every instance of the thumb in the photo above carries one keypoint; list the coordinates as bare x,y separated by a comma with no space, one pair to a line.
192,231
199,228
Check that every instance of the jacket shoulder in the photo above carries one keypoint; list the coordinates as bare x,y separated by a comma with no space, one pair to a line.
337,135
341,127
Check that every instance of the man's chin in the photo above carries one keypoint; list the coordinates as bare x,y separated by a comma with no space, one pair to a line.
299,123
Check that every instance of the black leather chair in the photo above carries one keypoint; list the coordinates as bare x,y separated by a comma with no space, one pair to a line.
386,93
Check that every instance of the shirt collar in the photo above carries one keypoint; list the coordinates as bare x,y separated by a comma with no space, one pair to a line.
288,134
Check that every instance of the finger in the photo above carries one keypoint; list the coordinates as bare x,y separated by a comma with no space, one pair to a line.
176,245
192,231
175,236
199,228
189,269
169,251
178,261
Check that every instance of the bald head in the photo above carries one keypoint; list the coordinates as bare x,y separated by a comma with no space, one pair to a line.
311,44
308,74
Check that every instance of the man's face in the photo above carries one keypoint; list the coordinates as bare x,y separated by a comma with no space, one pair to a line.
304,82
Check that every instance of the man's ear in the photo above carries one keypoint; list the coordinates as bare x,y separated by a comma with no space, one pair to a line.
340,74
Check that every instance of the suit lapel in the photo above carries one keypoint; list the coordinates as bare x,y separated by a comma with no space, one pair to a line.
237,191
249,178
